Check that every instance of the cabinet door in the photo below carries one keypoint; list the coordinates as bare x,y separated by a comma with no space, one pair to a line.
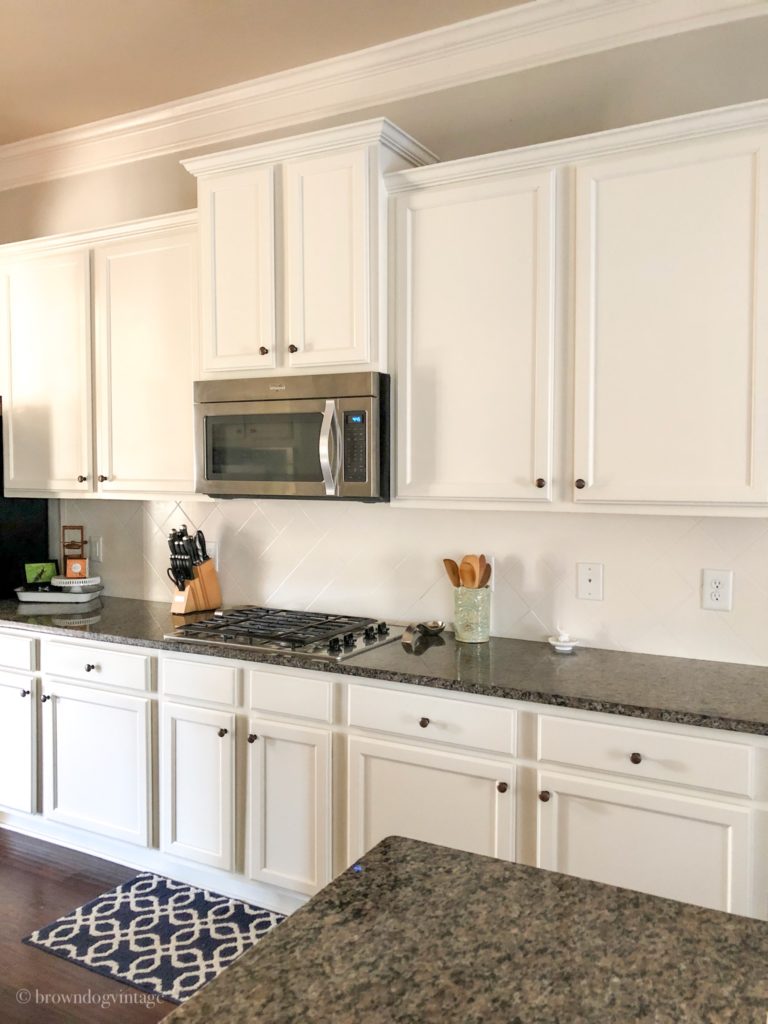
289,805
237,236
447,799
474,323
46,365
96,760
17,742
680,847
197,785
671,321
145,302
328,260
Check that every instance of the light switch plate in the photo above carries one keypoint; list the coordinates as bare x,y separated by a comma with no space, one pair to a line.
589,581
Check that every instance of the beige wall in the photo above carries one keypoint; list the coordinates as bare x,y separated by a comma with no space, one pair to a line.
697,71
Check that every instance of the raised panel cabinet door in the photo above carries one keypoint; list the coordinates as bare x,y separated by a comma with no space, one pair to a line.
45,305
237,285
18,721
329,260
96,772
680,847
289,805
197,785
447,799
671,326
145,302
475,334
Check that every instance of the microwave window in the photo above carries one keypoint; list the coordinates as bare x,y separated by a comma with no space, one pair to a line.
263,448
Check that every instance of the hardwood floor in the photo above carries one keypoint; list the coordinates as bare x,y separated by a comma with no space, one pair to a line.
38,883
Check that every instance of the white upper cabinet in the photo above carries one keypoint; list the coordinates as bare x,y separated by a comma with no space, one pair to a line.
671,325
45,324
140,280
475,332
145,346
293,250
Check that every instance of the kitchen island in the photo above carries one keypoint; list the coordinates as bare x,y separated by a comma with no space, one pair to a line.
415,934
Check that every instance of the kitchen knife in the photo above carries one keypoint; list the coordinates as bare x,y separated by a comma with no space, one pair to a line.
201,547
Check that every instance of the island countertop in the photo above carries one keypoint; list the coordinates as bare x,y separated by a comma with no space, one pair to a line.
421,934
684,691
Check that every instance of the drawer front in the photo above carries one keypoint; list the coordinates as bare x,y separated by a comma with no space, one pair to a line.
436,719
296,696
196,681
646,754
19,652
97,665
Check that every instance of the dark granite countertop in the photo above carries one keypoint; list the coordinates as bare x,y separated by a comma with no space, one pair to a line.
420,934
712,694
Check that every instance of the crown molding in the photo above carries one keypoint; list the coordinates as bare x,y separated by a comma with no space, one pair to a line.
745,118
506,41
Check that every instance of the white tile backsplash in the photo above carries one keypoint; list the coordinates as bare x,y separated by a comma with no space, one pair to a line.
385,561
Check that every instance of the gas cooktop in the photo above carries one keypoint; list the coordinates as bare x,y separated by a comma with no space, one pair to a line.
312,635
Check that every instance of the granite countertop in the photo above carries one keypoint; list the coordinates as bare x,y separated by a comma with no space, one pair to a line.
703,693
421,934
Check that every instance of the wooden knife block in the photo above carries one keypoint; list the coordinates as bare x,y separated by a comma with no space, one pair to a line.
202,594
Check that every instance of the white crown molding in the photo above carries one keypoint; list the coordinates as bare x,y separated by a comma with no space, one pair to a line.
113,233
742,117
536,33
362,133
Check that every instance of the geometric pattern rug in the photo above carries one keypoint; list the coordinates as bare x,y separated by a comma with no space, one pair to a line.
161,936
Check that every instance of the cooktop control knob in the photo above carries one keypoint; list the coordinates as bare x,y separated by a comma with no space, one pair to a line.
382,629
370,633
334,645
349,640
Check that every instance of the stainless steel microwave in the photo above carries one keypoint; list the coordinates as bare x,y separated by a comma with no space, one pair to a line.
314,436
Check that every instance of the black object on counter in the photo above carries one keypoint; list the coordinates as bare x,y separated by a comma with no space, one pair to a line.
23,535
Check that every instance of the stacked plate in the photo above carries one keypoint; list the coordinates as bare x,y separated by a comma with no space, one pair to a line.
62,590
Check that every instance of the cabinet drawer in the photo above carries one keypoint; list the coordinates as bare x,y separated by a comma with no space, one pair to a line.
19,652
663,757
438,719
97,665
194,680
296,696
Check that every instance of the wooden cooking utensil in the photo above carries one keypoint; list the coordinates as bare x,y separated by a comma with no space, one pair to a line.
453,571
468,573
474,561
486,576
483,564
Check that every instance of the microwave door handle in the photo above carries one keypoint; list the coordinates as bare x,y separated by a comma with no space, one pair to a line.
324,447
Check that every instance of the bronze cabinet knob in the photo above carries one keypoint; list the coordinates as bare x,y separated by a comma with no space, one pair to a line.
223,732
293,348
90,668
423,722
45,697
635,758
25,693
502,787
581,484
544,795
81,479
102,479
263,350
252,737
541,482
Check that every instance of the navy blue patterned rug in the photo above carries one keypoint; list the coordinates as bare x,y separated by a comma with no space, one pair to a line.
161,936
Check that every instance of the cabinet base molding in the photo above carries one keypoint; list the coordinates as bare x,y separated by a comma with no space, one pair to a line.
235,886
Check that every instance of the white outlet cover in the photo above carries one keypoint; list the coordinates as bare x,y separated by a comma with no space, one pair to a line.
717,590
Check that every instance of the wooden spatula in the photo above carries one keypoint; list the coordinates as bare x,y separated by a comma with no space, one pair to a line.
453,571
468,572
486,576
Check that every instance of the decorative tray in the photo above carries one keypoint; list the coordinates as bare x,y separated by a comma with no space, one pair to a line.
78,596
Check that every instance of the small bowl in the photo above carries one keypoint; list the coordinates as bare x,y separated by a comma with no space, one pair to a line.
433,628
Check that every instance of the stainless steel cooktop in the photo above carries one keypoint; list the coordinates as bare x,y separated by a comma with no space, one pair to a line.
314,635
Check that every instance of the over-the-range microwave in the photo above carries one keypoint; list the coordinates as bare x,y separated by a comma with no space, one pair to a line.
313,436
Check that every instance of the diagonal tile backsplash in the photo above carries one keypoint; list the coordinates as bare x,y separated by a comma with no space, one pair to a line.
387,561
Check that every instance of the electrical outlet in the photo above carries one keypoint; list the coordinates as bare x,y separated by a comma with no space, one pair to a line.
492,562
212,549
96,549
717,589
589,581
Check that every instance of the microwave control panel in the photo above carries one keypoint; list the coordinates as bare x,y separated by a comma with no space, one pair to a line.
355,447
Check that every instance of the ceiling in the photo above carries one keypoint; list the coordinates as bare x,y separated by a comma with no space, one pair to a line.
69,62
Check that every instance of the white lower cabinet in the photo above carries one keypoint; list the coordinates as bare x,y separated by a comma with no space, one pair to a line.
96,760
197,784
17,742
443,798
289,805
679,846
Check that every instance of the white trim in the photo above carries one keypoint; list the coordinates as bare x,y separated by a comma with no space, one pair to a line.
500,43
128,229
742,117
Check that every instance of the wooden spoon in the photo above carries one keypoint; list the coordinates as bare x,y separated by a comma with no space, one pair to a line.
474,561
486,576
468,573
453,571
